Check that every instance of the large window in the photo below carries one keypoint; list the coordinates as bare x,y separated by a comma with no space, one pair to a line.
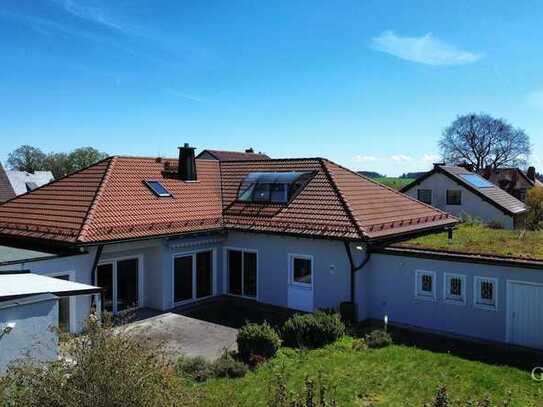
486,293
301,270
272,187
425,285
192,276
455,288
242,272
120,280
454,197
425,195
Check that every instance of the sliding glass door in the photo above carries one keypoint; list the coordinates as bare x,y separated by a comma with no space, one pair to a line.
242,272
120,281
192,276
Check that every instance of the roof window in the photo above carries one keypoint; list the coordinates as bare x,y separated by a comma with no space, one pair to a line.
158,189
476,180
272,187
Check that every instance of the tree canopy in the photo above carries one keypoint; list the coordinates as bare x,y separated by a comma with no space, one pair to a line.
30,159
484,141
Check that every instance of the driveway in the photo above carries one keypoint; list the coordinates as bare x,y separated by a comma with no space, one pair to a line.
177,334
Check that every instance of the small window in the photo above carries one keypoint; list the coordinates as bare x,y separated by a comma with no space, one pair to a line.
272,187
455,288
486,293
158,189
425,195
301,270
454,197
31,186
425,285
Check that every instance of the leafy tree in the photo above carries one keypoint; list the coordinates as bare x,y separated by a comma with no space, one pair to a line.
58,164
26,158
484,141
83,157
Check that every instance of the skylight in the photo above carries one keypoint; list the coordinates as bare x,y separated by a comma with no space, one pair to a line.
271,187
476,180
158,189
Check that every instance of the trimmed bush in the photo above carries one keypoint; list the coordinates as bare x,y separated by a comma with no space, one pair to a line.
359,344
227,366
378,339
257,339
196,368
312,330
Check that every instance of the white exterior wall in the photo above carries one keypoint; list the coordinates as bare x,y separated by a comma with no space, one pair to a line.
472,204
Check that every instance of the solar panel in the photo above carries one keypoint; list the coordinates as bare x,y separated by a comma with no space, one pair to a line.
477,181
275,187
158,189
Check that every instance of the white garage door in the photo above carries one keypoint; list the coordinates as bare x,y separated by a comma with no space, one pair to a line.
525,314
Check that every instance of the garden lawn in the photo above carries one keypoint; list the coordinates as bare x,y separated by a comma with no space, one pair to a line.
394,376
393,182
479,239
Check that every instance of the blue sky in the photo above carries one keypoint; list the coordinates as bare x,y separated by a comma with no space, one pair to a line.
368,84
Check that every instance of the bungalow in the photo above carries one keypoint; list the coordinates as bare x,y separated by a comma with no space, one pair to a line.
458,191
13,183
301,233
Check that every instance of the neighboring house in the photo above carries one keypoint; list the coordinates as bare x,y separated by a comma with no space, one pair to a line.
513,180
461,192
248,155
161,233
14,183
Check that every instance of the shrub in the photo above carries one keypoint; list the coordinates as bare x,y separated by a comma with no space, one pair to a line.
107,368
314,394
257,339
378,339
494,224
359,344
534,200
312,330
196,368
227,366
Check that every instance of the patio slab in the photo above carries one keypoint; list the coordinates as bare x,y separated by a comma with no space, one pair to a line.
178,335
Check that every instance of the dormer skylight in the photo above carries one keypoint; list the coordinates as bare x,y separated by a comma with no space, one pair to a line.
158,189
272,187
477,181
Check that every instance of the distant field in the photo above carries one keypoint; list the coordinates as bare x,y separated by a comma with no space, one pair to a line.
394,182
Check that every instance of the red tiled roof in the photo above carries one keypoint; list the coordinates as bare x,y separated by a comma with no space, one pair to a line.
233,155
109,201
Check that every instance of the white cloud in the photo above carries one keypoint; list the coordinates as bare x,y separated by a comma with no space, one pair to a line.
364,158
535,99
430,158
93,13
400,157
425,50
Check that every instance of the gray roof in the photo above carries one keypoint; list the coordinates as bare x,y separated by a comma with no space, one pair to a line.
493,194
23,182
11,255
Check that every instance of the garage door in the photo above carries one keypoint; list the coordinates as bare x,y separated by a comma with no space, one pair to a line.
525,314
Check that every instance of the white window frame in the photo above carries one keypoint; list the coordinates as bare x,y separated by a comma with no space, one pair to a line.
193,254
477,280
461,300
114,261
226,272
291,257
73,298
422,295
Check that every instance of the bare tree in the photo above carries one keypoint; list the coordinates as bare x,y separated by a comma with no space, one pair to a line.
484,141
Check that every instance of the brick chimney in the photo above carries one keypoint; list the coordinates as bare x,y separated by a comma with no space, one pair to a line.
186,169
531,174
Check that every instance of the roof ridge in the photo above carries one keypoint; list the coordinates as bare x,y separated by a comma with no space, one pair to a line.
99,190
341,198
391,189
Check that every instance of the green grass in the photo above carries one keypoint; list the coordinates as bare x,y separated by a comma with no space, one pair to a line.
393,182
480,239
393,376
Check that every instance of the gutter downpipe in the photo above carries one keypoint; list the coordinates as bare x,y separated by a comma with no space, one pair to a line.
95,300
354,269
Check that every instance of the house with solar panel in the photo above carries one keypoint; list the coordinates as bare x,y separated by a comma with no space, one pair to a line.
463,193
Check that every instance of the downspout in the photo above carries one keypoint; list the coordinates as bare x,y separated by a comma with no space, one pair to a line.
93,270
354,268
